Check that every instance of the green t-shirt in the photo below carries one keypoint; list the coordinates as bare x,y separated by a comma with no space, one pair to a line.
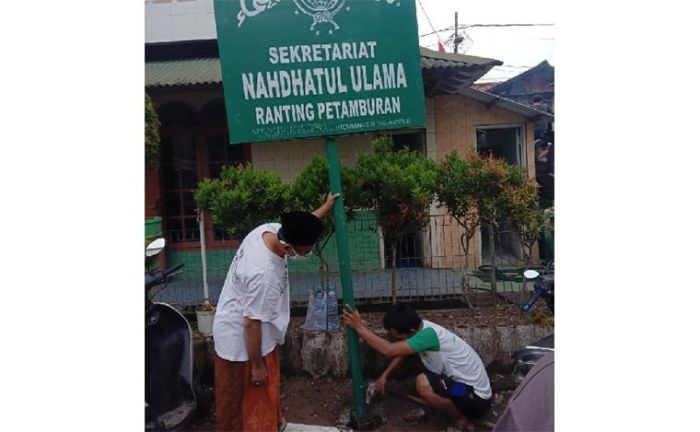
424,340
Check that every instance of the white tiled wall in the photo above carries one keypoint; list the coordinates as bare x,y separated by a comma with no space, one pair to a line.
178,20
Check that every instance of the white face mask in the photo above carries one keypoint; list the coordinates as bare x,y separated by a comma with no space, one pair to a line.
297,256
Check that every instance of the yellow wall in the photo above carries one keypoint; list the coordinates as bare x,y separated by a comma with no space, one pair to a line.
457,117
289,158
451,125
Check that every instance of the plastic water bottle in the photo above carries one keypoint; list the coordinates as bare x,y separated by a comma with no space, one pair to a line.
318,314
332,309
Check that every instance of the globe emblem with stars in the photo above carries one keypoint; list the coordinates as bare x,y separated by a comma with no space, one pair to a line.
321,11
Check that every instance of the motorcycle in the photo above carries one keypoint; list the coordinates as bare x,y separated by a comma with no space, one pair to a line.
170,397
525,358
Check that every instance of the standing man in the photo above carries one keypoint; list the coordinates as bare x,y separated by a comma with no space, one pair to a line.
251,320
454,381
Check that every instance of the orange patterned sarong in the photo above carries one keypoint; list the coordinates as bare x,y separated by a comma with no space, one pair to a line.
240,405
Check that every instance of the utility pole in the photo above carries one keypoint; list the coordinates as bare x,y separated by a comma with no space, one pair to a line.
457,39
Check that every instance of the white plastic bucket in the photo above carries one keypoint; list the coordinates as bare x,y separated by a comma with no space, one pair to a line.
205,322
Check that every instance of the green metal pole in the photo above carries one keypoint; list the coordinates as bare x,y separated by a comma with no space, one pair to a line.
341,235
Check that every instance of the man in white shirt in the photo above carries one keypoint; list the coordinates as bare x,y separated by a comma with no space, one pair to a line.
454,381
251,320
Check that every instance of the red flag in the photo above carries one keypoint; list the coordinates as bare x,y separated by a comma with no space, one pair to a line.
441,48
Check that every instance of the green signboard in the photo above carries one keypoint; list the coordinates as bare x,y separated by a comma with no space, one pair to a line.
309,68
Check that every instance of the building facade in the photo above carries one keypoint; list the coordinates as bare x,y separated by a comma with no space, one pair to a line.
183,78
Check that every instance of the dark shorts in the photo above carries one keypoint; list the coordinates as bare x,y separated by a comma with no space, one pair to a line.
468,404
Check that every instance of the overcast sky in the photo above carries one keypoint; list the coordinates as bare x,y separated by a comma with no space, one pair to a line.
517,47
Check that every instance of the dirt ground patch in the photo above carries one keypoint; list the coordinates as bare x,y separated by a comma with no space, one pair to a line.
322,402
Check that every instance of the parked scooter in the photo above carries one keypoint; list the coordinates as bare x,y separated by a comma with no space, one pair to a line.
526,358
170,395
544,288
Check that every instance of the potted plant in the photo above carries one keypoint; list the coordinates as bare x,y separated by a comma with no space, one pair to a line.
205,318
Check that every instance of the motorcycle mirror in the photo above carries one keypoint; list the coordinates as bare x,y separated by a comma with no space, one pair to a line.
531,274
155,247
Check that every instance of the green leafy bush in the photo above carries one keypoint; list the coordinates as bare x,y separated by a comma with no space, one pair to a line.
243,198
309,192
399,186
152,134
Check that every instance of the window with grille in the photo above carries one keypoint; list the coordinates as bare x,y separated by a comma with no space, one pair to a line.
179,165
194,146
221,154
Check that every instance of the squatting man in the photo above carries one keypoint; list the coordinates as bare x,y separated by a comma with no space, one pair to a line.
454,381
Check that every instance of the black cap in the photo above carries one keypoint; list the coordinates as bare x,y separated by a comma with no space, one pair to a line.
300,228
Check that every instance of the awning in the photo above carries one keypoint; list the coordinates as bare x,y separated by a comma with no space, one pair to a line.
506,104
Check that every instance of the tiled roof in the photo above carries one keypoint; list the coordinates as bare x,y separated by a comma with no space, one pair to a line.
208,70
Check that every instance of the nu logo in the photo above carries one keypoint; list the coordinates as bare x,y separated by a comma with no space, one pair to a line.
320,11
